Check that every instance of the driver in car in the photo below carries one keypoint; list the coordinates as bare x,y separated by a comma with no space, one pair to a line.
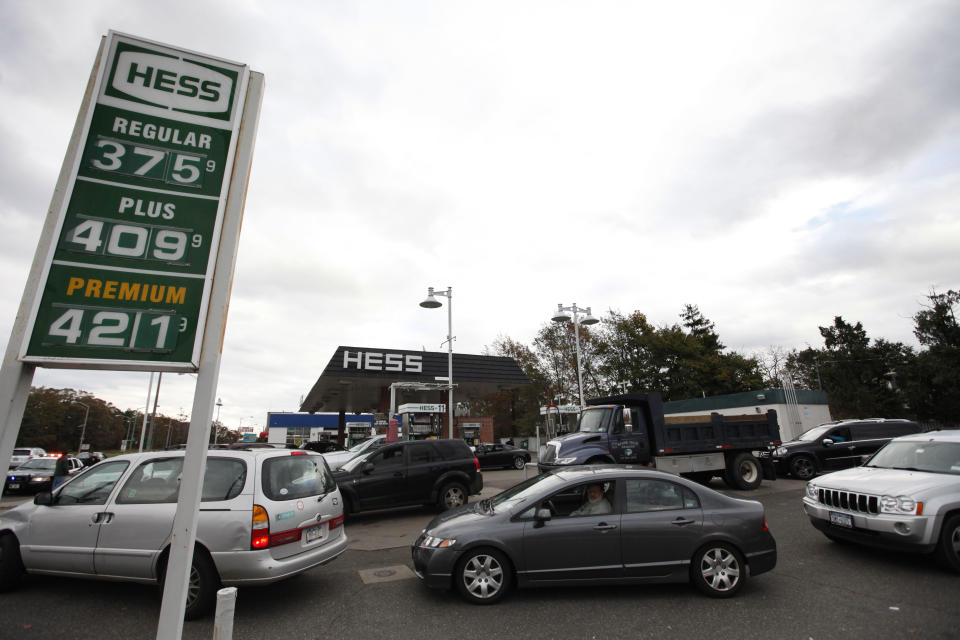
595,504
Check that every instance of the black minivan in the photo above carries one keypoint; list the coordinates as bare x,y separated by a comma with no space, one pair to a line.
837,445
429,472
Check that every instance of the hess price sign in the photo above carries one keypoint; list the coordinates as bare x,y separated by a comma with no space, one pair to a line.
127,278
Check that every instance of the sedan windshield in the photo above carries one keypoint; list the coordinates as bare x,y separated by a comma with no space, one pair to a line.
594,421
934,457
39,463
520,493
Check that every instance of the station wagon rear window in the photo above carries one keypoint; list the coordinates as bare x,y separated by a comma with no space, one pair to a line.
292,477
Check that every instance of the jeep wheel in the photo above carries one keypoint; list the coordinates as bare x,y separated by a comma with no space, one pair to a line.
948,548
803,467
743,472
518,463
718,570
483,576
452,495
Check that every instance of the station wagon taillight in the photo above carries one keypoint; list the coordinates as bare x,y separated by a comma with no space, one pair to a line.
476,463
260,534
336,521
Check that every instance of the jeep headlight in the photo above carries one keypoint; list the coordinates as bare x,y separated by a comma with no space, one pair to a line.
812,492
565,460
901,505
39,479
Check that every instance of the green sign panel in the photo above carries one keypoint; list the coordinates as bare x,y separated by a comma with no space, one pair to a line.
127,279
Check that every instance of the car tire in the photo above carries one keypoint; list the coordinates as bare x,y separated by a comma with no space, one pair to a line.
718,570
743,472
202,586
948,548
518,463
11,565
483,576
452,495
802,467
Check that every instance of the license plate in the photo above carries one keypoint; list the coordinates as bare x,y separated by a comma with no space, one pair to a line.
841,520
313,533
14,486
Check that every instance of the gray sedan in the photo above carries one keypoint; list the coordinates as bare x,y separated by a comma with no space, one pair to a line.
612,525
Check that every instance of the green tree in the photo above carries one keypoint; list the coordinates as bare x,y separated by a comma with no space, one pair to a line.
933,388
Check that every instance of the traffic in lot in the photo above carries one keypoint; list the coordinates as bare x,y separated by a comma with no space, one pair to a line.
852,588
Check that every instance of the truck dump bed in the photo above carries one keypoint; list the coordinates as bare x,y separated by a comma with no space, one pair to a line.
698,434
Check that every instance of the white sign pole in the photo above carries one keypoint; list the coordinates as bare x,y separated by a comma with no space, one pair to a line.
188,503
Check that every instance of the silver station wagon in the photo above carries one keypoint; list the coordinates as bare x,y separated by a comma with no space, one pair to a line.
265,515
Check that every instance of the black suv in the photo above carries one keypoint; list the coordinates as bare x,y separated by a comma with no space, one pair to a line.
441,472
836,445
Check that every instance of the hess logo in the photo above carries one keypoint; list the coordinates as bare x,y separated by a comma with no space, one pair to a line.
169,82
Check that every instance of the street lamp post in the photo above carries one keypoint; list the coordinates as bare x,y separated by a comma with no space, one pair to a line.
83,431
432,303
561,315
216,424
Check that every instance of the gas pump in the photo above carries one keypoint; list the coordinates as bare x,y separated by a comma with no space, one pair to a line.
420,421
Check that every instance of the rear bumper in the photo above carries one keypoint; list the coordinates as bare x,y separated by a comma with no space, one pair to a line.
245,568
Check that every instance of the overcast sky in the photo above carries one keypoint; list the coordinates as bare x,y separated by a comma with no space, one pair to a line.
774,163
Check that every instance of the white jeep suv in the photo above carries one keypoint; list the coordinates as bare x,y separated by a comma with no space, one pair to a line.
906,497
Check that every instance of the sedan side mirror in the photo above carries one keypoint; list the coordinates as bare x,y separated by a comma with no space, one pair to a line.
367,467
43,498
542,515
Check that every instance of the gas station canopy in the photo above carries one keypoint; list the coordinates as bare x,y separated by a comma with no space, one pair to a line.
358,379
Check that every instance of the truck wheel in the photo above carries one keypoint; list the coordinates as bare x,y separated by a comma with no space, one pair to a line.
948,549
743,472
483,576
452,495
802,467
11,566
718,570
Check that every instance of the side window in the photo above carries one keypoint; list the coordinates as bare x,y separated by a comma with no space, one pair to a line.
840,434
422,454
644,494
589,499
153,482
93,487
223,479
158,481
388,458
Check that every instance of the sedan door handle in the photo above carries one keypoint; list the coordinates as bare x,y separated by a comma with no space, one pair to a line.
603,526
682,521
102,517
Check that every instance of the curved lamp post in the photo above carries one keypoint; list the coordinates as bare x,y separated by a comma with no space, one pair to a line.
561,315
432,303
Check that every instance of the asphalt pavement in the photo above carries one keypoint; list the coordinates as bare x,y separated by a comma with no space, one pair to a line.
819,590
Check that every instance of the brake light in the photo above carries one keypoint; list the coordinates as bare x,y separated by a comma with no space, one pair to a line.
765,524
298,453
476,463
336,522
260,534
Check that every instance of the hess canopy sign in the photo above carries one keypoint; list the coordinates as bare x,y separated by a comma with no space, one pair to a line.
127,279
